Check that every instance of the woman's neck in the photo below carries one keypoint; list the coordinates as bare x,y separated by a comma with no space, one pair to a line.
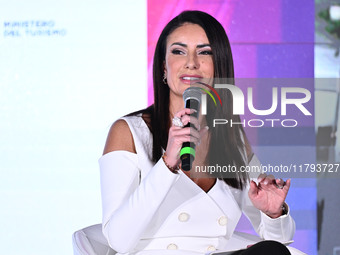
176,104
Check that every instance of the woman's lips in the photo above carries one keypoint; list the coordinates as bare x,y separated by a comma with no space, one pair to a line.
190,79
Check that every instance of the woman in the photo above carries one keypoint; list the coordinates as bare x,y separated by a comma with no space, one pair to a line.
151,206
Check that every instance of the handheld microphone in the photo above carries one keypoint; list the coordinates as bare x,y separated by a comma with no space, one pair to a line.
192,100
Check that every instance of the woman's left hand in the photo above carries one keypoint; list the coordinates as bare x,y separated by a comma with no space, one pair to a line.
269,194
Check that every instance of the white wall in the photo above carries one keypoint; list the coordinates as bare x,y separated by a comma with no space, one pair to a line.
59,95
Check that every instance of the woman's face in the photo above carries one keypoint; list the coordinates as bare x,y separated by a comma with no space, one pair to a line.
188,58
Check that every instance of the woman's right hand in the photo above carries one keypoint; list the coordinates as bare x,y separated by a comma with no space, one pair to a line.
179,135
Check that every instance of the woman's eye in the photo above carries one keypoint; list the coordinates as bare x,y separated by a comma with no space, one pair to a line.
177,52
206,52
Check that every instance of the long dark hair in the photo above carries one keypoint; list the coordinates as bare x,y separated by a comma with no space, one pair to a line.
227,145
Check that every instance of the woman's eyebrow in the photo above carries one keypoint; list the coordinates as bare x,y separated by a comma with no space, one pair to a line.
203,45
180,44
198,46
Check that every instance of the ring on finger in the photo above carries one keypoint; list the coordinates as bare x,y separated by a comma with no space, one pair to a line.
281,186
176,121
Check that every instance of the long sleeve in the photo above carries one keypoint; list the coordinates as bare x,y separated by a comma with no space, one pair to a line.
129,203
280,229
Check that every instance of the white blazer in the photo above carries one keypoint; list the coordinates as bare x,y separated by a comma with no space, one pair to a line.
147,209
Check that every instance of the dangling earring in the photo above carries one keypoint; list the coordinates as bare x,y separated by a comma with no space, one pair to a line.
164,78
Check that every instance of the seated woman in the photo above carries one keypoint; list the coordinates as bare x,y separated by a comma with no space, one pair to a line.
150,205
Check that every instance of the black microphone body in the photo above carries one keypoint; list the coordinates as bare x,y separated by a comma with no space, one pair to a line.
192,100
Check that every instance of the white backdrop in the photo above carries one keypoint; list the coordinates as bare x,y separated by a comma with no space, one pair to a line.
68,69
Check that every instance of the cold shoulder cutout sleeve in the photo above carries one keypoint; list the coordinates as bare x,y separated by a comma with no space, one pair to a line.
129,201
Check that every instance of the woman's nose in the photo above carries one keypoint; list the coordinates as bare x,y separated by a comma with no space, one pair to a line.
192,62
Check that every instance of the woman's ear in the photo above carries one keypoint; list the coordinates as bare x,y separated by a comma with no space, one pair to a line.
164,68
